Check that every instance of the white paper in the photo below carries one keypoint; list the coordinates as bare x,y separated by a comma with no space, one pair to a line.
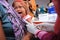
47,17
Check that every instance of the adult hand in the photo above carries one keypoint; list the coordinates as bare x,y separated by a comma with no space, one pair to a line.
45,26
31,28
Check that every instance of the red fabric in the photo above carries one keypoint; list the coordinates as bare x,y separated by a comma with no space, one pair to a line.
57,24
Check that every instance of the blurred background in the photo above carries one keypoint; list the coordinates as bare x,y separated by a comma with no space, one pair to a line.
40,2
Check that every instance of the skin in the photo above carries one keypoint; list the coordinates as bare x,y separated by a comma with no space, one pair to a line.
20,9
2,36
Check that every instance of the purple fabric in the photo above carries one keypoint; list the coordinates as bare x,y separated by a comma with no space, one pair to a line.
15,19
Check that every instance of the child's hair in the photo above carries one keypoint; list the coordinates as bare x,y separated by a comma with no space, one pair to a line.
23,3
13,4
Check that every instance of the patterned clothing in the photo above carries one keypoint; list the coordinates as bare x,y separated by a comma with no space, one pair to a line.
13,18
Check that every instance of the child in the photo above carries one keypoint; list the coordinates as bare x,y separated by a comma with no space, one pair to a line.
21,9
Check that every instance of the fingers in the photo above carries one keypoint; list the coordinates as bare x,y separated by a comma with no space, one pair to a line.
31,23
46,24
26,22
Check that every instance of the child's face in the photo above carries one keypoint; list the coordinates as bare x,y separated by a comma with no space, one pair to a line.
19,8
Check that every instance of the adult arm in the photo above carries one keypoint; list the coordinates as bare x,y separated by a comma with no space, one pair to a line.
2,36
43,35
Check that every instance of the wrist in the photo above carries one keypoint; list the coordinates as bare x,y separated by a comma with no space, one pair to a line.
37,32
41,34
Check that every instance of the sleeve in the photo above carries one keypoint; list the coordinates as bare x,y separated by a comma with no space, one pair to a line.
46,35
2,11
